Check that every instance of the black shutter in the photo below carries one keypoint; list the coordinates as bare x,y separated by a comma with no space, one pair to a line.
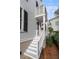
25,21
36,4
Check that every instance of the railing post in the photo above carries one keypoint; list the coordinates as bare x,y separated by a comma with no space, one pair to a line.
38,48
36,33
44,31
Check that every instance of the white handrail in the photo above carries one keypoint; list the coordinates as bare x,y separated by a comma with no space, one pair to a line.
40,43
39,39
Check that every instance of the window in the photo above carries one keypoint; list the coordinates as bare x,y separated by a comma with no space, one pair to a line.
23,20
36,4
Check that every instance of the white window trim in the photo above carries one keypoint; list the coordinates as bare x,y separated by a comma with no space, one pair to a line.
22,23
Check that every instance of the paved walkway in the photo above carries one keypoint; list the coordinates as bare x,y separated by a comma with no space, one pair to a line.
50,53
23,47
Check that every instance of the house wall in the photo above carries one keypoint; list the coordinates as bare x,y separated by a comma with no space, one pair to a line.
55,24
30,7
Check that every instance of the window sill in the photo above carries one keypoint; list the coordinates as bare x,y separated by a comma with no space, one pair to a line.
23,32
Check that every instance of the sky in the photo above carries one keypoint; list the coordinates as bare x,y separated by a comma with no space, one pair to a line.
51,6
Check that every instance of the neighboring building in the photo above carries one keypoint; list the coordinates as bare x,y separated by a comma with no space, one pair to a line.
55,23
33,17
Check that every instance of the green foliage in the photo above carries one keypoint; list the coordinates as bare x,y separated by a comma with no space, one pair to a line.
50,39
56,37
50,29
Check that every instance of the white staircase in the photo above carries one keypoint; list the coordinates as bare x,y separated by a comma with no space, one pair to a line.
34,49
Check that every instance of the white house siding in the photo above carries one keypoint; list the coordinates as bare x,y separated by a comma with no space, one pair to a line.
30,7
55,23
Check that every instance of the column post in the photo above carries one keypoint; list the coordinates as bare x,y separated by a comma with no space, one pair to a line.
44,31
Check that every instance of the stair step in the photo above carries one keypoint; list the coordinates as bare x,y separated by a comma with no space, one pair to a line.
31,53
32,48
33,45
35,40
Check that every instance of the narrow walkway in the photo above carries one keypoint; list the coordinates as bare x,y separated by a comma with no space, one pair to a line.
50,53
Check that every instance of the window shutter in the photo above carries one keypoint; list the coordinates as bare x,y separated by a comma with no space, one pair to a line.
25,21
36,4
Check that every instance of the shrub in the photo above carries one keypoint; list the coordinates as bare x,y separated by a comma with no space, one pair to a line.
56,38
50,29
49,39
